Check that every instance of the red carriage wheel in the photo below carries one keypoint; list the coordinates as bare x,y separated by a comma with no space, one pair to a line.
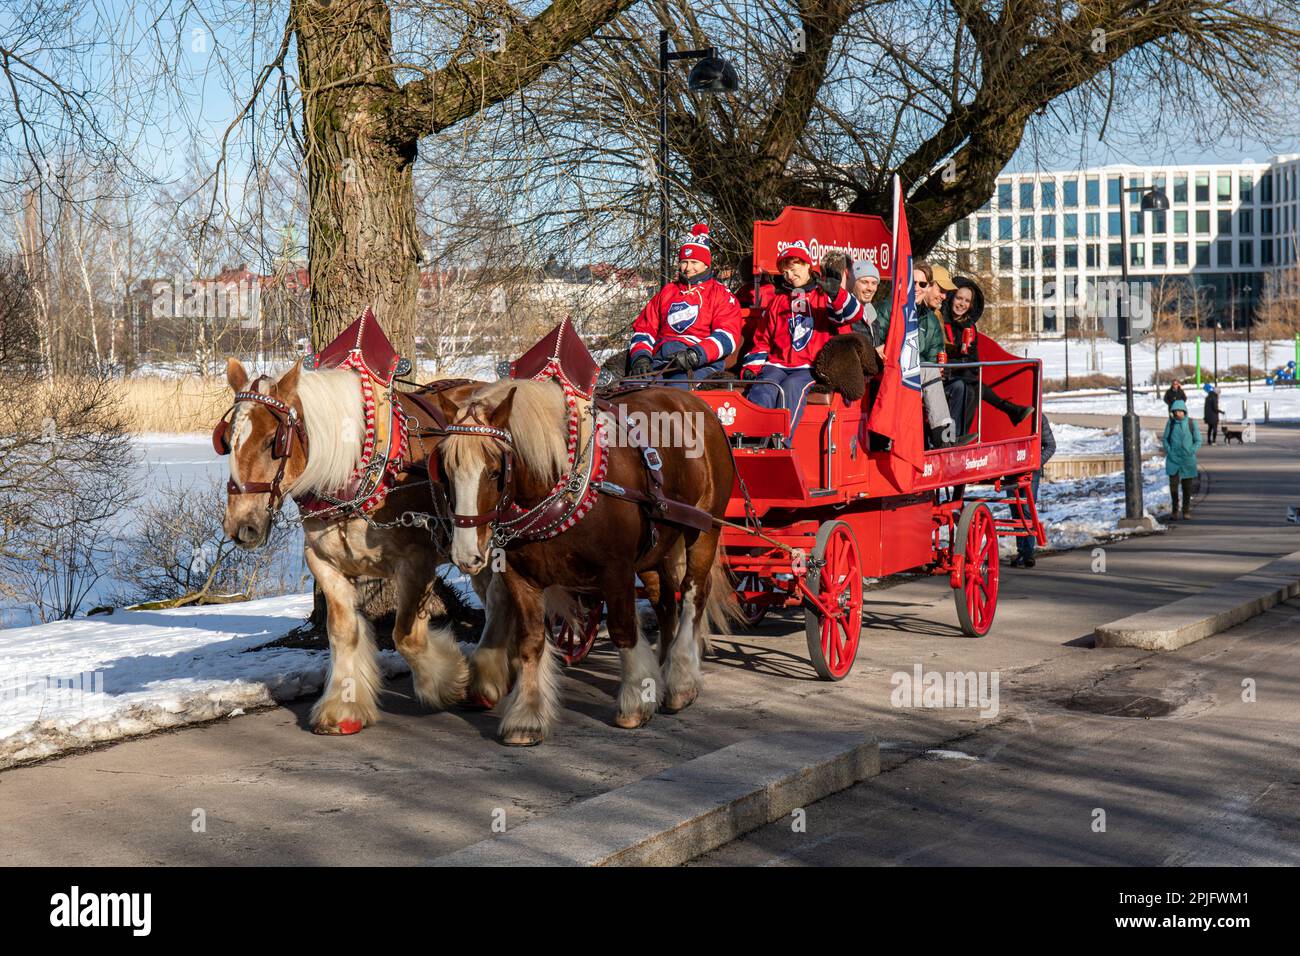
575,645
976,594
754,609
837,582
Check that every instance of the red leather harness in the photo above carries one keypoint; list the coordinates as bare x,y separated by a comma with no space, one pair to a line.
288,426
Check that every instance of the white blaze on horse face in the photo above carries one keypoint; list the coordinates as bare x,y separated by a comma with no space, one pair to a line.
238,433
465,551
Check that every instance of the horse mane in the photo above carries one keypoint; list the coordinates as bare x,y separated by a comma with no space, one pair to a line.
335,420
538,422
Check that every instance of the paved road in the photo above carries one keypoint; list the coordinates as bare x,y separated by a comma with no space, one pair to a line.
420,784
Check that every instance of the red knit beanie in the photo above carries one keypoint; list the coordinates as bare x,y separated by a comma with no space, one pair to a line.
697,246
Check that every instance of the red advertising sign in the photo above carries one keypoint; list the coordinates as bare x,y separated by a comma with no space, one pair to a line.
858,237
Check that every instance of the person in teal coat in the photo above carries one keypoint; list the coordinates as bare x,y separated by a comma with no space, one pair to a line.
1181,438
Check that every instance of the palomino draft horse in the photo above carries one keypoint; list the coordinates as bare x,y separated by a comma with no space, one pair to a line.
581,525
305,435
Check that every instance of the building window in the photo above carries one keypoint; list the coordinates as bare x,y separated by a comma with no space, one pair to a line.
1071,256
1225,252
1180,253
1047,191
1004,229
1202,254
1158,223
1225,222
1180,187
1115,254
1246,252
1026,195
963,230
1266,222
1114,186
1266,252
1093,190
1004,195
1245,222
1049,227
1004,257
1266,188
1049,257
1225,187
1113,223
985,259
1135,223
1094,225
1246,187
1137,253
1158,253
1071,225
963,260
1180,222
1202,221
1093,256
1071,190
984,229
1202,187
1026,257
1026,227
1027,288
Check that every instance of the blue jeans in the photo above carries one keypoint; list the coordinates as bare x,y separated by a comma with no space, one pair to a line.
665,355
1025,546
775,383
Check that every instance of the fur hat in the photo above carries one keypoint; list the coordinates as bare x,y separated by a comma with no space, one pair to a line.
844,363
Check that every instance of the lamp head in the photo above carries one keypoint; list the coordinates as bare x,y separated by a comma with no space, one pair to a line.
1155,200
713,74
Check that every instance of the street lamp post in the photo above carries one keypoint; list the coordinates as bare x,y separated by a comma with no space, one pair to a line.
712,74
1247,317
1217,323
1153,198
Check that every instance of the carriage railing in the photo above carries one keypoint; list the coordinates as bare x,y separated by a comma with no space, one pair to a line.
1035,366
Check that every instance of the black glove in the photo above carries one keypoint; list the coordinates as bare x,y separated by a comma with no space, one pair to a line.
687,359
640,366
747,373
831,281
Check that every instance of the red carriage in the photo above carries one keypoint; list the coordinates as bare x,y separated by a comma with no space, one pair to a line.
811,518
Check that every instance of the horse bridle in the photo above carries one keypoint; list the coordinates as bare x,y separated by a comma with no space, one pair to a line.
504,482
288,425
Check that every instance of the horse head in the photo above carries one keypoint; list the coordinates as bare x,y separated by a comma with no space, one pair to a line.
264,434
477,459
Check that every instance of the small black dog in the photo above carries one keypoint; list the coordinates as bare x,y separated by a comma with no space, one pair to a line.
1230,433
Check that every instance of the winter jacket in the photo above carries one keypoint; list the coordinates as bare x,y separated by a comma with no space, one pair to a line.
1181,439
931,332
867,324
700,313
1174,395
1212,408
796,323
960,337
1049,442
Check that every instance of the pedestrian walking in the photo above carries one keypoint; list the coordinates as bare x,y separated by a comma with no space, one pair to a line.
1026,544
1175,393
1211,413
1181,438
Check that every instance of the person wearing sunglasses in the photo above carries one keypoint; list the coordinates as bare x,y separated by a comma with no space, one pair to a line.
929,296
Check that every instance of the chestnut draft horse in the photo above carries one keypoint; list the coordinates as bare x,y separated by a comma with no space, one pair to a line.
301,435
505,463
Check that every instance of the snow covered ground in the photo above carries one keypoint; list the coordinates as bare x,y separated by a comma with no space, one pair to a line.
1110,356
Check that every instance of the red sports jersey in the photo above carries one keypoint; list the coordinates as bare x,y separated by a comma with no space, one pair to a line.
796,323
705,314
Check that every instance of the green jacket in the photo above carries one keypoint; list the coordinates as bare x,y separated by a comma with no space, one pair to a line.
931,332
1181,439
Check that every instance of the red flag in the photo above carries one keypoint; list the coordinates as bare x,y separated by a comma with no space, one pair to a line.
897,412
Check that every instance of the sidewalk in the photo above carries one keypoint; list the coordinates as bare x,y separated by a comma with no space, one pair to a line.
418,785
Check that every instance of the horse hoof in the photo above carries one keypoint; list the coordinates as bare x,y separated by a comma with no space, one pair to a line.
631,721
522,738
675,703
476,702
344,728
